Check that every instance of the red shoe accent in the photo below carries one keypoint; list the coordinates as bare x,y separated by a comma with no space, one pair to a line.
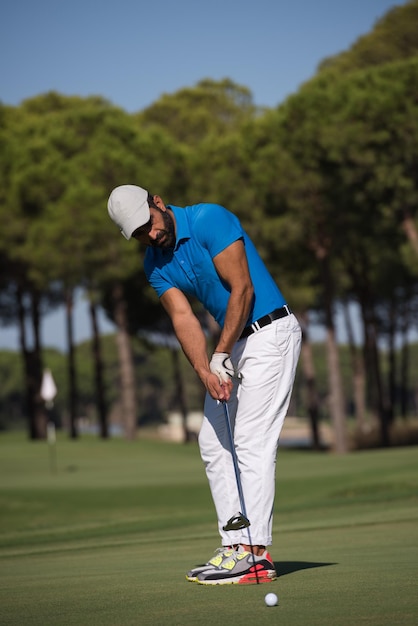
268,557
256,575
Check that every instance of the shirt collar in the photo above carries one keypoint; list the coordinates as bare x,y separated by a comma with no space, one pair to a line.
182,224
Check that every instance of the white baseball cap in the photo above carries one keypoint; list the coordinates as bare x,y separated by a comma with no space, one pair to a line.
128,207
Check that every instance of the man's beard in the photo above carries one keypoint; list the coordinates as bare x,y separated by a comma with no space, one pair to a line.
167,234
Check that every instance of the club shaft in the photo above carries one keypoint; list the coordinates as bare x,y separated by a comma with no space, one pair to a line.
238,480
234,459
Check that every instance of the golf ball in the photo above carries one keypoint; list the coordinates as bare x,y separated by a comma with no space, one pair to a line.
271,599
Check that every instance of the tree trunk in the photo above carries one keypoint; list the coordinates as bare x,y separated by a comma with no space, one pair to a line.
180,399
71,371
335,387
392,365
404,364
377,399
25,356
410,230
336,401
311,393
36,368
126,363
98,371
358,375
382,404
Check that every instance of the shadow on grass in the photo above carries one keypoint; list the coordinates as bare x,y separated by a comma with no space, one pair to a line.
288,567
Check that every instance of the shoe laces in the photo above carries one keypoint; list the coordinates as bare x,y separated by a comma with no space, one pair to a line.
237,554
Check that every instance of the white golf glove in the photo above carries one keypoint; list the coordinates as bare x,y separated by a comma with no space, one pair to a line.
221,365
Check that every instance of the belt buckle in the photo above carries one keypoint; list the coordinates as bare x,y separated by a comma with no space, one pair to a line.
255,326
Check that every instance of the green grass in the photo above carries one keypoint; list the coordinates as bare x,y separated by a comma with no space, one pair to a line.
106,539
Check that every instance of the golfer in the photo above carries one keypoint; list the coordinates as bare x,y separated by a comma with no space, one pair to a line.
202,251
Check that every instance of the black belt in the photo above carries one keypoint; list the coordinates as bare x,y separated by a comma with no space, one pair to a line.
265,321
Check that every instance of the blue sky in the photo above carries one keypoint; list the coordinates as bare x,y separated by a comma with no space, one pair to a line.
131,52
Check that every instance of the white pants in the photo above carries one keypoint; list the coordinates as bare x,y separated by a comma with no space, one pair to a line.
266,362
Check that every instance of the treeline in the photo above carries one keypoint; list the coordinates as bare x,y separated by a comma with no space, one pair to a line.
325,184
156,381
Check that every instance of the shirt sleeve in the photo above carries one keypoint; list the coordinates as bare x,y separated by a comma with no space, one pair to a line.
216,228
154,277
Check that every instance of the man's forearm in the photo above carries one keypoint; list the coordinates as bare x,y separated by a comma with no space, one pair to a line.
237,313
193,342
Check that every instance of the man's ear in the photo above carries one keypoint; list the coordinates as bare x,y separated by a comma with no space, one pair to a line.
159,203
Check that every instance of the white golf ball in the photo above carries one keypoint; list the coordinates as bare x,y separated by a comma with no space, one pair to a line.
271,599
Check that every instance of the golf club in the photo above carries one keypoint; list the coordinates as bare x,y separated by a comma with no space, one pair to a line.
239,521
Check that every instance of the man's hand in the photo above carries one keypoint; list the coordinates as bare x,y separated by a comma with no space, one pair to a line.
221,365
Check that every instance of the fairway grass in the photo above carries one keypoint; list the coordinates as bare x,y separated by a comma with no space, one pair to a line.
104,533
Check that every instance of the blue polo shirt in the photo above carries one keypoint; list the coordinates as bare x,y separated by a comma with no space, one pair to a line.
202,232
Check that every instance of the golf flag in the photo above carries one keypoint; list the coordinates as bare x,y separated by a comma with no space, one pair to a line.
48,388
